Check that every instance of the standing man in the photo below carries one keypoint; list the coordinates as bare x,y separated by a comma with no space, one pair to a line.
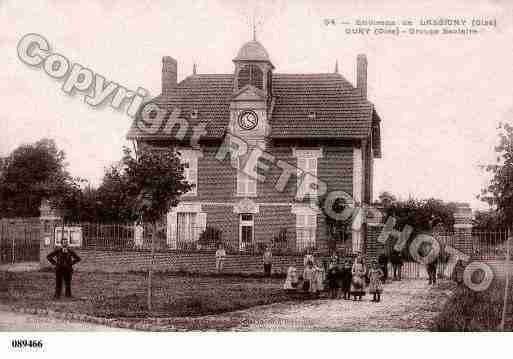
63,258
383,263
268,261
220,257
431,270
397,264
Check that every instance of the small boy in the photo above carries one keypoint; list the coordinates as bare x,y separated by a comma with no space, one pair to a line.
308,276
346,277
220,257
268,261
332,276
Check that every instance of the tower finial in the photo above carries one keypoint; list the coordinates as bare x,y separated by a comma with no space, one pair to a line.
194,69
336,67
254,30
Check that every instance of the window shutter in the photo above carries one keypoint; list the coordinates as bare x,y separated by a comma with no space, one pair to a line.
251,186
241,183
312,166
202,224
301,163
312,221
193,174
301,220
171,230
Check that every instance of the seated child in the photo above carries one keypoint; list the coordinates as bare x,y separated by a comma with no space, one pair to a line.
292,279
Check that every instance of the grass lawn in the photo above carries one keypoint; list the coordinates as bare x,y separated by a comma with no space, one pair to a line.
124,295
476,311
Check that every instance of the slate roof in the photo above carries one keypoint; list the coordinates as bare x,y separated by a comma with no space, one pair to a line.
340,110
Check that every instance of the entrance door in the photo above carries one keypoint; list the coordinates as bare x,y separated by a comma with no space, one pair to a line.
246,233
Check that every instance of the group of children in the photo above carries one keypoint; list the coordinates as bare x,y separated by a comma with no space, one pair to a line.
344,278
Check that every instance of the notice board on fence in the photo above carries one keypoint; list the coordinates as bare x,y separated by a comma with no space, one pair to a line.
72,234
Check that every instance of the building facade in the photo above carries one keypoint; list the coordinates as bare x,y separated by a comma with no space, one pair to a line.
262,148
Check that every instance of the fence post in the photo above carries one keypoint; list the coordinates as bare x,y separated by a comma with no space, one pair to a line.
506,285
48,219
150,270
463,228
374,221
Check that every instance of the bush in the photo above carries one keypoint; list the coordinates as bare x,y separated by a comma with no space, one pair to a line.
211,237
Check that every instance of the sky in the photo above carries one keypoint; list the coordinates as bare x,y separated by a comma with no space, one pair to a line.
440,98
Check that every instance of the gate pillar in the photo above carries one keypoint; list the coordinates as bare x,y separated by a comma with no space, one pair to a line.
463,228
374,222
49,219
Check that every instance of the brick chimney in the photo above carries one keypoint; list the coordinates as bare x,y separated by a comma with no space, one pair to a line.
361,74
169,74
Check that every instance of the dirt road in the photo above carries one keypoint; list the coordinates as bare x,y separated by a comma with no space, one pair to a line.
10,321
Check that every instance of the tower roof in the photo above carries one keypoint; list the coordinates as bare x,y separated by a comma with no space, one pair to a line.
252,51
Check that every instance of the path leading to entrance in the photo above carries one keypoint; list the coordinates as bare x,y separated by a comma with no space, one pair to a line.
407,305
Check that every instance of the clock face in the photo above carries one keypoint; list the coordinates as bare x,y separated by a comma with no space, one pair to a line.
248,120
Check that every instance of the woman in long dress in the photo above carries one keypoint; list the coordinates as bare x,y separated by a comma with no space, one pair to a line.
358,281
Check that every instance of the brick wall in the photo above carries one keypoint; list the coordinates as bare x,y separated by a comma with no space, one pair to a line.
200,262
372,246
217,179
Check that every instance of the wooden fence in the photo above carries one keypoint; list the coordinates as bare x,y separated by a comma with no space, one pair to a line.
19,240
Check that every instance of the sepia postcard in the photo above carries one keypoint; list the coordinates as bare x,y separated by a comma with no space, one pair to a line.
254,166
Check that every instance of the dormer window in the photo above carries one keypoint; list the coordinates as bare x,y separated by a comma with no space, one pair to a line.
311,115
251,74
194,114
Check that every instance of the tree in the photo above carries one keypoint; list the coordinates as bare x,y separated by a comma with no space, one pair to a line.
153,182
31,173
421,214
386,198
488,220
499,192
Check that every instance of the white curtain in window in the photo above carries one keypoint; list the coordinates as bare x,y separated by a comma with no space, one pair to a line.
306,225
186,227
246,186
307,177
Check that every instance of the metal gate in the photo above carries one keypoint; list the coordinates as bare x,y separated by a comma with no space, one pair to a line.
482,245
19,241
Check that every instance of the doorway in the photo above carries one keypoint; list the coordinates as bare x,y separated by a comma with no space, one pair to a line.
246,232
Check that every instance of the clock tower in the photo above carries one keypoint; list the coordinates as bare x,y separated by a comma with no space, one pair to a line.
252,100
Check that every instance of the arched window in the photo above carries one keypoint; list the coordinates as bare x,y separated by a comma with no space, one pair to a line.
244,76
251,74
257,77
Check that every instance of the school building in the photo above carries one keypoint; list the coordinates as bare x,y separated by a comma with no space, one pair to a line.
306,134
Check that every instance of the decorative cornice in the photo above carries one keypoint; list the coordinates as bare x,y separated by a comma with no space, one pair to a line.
246,205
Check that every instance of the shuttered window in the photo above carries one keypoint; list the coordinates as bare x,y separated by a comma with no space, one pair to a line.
186,227
189,159
307,175
246,186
